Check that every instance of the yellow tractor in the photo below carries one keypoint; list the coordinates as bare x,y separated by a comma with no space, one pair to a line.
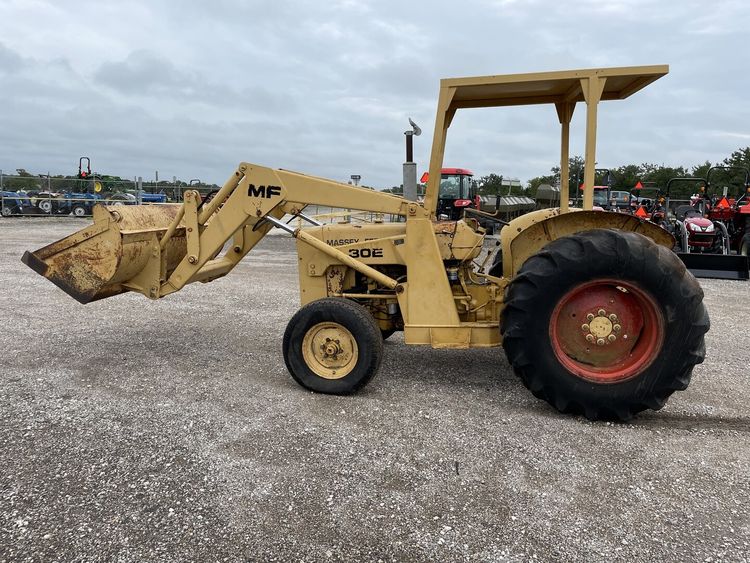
596,314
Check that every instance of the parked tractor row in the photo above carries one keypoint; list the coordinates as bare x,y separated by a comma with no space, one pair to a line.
86,190
66,203
712,231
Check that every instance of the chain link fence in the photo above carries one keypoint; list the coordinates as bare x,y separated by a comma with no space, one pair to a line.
45,195
51,196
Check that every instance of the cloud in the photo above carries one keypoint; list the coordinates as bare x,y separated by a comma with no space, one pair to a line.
144,71
192,88
10,61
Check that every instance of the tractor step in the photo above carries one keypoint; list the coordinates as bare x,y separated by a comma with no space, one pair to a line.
716,266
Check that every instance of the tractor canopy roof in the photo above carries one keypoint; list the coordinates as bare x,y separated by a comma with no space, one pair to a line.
563,88
549,87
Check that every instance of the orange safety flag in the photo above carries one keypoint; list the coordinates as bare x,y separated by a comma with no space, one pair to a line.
641,212
638,186
723,203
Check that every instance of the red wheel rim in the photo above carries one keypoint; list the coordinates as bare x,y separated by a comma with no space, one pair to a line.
606,331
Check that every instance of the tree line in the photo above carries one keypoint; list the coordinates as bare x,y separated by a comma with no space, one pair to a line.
655,175
623,178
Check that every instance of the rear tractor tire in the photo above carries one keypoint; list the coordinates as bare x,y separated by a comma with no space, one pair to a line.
333,346
604,323
45,205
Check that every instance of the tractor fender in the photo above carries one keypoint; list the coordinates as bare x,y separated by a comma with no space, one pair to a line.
528,234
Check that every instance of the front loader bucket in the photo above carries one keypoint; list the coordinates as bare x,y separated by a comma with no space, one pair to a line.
716,266
100,260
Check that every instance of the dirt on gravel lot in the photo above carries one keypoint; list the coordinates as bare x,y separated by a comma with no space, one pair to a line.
133,430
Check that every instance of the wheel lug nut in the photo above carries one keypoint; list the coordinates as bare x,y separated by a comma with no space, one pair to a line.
613,318
600,342
611,338
601,312
590,337
590,317
616,328
585,328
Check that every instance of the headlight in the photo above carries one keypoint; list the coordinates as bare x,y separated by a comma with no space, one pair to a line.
710,228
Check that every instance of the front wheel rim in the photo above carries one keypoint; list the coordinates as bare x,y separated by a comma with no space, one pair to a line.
330,350
606,331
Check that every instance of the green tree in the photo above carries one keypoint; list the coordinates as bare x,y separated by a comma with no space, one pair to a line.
660,175
490,185
23,181
700,170
575,177
626,177
740,157
736,180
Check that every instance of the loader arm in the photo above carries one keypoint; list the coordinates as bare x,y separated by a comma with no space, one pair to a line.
158,250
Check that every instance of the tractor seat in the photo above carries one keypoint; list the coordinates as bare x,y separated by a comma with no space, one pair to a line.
685,211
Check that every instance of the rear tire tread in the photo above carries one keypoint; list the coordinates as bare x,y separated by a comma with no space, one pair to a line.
633,257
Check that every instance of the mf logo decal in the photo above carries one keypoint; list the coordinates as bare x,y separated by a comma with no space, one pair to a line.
263,191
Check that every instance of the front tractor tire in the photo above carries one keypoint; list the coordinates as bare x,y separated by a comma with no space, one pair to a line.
604,323
745,245
333,346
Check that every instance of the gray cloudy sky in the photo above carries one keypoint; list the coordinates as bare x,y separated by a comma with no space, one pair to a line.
192,88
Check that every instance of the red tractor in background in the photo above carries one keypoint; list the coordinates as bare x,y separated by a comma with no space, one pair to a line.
650,207
459,196
731,209
604,198
694,231
458,190
703,240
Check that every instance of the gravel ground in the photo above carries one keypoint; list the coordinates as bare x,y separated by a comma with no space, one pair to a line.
170,431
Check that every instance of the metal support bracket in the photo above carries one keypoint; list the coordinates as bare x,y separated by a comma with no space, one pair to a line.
192,200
